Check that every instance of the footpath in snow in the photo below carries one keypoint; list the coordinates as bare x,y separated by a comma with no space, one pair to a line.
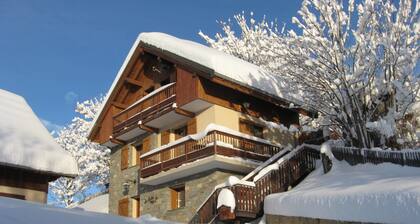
383,193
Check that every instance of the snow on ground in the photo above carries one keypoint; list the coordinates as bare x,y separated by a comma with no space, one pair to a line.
383,193
96,204
25,142
13,211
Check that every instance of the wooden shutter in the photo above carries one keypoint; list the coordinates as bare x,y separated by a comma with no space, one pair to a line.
192,126
164,137
174,198
139,150
146,144
123,207
124,158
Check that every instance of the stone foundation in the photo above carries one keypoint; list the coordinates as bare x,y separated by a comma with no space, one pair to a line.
156,200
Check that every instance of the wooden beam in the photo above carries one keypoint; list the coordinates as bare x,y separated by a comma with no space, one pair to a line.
133,82
184,112
119,105
116,141
148,128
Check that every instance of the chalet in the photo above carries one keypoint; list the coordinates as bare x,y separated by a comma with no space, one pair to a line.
180,118
29,156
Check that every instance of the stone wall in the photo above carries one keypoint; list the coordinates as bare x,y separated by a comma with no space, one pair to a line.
274,219
156,200
118,177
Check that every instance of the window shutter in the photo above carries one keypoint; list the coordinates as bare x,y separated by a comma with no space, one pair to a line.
174,199
123,207
192,126
164,138
139,150
124,158
146,144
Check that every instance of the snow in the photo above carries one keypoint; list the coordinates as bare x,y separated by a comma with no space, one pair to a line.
226,198
383,193
25,212
223,65
26,143
232,180
97,204
200,135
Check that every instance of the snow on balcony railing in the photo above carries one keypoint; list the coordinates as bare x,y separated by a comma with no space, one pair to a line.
156,97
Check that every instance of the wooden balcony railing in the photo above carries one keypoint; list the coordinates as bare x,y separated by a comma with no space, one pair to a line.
146,108
215,142
249,199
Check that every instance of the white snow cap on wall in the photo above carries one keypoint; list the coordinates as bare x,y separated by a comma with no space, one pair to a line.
223,64
26,143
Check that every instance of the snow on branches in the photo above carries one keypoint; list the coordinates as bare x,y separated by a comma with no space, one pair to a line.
356,64
92,159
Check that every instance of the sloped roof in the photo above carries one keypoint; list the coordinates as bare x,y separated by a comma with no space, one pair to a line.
217,62
26,143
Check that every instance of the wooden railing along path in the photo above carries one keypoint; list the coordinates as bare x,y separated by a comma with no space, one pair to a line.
249,200
214,143
147,106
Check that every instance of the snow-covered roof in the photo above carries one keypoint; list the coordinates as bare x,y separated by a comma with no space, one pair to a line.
26,143
26,212
382,193
96,204
222,64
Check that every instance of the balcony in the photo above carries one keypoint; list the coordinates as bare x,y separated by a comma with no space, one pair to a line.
132,121
225,144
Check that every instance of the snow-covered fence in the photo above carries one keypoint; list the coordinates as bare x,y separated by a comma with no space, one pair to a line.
360,156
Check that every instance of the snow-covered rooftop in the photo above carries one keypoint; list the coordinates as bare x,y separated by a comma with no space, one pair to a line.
96,204
26,143
224,65
25,212
383,193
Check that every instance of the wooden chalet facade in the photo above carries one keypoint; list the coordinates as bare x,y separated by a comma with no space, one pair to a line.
177,128
29,156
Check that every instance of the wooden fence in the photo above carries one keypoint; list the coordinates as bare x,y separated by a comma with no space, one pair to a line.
360,156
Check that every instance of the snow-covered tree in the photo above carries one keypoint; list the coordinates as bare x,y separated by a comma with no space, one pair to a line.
92,159
354,63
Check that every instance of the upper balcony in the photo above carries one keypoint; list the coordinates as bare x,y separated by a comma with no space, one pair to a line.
215,148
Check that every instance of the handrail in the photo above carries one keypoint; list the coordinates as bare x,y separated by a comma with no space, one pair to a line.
212,139
296,165
146,102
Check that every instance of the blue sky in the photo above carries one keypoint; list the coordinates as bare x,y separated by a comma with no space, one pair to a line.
56,52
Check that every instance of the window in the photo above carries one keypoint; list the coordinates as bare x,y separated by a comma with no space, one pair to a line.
177,197
180,132
250,128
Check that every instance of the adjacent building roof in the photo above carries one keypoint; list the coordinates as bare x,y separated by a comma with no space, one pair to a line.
26,143
214,61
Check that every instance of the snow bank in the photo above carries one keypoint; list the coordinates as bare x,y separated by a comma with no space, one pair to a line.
223,65
26,212
26,143
97,204
383,193
226,198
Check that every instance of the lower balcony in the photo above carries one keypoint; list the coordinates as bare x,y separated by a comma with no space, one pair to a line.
215,148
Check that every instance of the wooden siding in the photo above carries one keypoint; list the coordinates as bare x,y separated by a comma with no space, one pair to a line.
26,179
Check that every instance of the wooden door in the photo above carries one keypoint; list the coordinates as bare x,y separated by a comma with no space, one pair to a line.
123,207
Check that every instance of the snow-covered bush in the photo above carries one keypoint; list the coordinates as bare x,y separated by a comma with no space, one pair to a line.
92,159
355,64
